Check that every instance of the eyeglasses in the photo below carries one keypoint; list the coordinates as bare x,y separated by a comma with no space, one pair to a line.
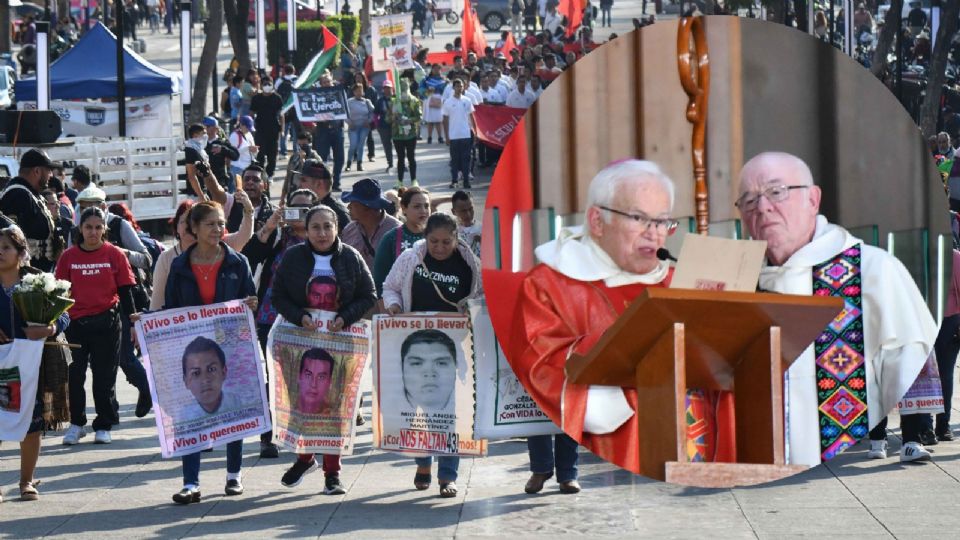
748,201
663,225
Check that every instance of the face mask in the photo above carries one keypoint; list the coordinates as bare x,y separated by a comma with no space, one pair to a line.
202,140
268,89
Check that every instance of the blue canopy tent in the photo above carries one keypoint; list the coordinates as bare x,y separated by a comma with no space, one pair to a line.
89,70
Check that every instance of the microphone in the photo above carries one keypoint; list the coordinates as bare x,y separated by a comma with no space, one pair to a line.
663,255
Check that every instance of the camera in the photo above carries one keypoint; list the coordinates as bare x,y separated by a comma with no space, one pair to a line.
295,214
203,169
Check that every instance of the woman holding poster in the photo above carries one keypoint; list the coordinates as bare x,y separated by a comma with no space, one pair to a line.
322,273
208,272
440,273
102,280
14,260
185,239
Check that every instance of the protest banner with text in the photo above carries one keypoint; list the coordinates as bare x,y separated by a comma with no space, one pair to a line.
423,385
205,371
503,408
315,376
320,104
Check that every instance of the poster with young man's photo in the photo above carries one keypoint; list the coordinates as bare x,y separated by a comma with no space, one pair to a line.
423,385
503,409
204,367
315,376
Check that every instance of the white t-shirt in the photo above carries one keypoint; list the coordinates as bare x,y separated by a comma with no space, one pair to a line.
242,144
521,101
458,111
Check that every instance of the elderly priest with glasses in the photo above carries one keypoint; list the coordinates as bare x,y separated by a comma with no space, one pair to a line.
840,389
586,278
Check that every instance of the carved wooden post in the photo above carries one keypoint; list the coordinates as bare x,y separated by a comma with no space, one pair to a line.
697,86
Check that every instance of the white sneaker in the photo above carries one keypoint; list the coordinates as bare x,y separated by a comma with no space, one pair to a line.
913,451
74,434
102,437
878,450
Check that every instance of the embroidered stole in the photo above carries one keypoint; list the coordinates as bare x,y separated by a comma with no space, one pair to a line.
841,368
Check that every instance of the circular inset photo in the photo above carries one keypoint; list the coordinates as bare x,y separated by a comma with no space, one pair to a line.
713,264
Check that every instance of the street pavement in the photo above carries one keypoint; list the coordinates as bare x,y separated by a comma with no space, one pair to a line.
123,489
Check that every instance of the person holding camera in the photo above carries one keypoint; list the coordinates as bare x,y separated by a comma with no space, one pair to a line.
219,150
242,140
283,230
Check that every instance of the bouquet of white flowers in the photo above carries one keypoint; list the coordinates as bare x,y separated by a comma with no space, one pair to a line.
41,298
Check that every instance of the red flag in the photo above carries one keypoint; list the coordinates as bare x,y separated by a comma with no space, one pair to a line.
573,11
328,39
495,123
471,34
509,44
511,193
444,58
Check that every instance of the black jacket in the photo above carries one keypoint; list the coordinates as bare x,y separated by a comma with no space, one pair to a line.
265,253
354,283
22,204
218,161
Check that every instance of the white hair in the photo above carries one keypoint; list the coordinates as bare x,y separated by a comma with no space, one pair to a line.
603,188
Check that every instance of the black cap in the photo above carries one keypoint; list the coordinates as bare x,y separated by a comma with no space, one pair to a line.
35,158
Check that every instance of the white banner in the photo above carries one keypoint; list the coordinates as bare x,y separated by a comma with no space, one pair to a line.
204,365
503,408
423,398
19,376
146,117
392,42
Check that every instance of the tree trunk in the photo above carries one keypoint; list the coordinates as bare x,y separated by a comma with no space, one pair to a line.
5,26
237,12
63,7
364,19
208,58
930,109
887,36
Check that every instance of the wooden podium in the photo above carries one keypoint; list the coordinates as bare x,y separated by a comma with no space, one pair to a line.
669,340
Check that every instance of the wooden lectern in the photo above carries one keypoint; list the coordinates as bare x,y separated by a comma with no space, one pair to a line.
669,340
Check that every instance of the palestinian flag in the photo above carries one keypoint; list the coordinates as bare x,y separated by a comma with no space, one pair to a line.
318,64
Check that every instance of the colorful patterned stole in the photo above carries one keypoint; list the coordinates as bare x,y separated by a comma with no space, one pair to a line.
841,369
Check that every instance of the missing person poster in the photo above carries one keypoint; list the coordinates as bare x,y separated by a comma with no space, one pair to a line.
315,376
204,368
423,385
503,408
19,377
925,395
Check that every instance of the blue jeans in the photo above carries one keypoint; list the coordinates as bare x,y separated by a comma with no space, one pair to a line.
549,451
326,139
460,153
446,466
358,138
191,463
289,126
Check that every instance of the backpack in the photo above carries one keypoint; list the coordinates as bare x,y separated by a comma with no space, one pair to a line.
154,248
144,287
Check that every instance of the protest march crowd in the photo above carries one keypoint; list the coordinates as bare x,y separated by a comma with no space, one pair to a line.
325,266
